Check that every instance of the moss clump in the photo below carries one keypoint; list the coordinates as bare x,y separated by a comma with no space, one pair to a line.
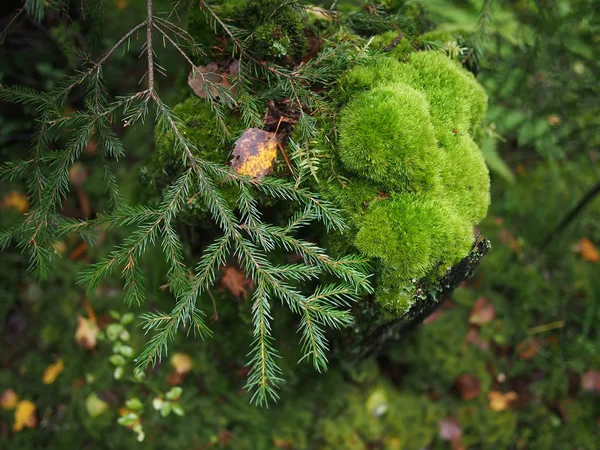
395,120
404,140
400,51
201,128
278,32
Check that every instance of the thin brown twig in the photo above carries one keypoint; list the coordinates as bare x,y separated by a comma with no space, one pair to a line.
149,52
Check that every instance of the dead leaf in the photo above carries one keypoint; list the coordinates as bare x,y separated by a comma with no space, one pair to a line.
506,237
254,153
588,251
483,312
205,79
16,200
281,443
553,119
468,386
529,348
590,381
474,339
9,399
87,332
25,416
235,281
53,371
449,429
182,364
499,401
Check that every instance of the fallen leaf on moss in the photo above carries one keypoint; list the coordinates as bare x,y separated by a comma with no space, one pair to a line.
16,200
254,153
591,381
529,348
468,386
474,339
205,80
281,443
9,399
235,281
86,333
499,401
53,371
449,429
25,416
588,251
181,362
483,312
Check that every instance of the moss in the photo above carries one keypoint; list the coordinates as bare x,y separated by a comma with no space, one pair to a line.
379,70
465,176
387,136
201,128
400,51
278,31
421,181
457,101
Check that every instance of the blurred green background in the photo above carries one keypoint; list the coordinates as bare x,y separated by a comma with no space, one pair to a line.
512,361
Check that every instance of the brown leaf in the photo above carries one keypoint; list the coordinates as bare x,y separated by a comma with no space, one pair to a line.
254,153
529,348
86,333
468,386
205,79
25,416
235,281
499,401
9,399
53,371
77,174
591,381
449,429
483,312
474,339
588,251
281,443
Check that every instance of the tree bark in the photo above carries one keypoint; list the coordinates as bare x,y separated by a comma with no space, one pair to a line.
368,338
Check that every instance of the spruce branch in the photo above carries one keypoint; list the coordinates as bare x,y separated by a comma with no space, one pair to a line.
245,236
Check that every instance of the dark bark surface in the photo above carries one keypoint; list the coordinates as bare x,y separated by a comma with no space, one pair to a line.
363,341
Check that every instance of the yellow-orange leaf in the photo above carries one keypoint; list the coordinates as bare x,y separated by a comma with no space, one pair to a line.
86,333
52,371
181,362
25,416
16,200
9,399
588,251
254,153
499,401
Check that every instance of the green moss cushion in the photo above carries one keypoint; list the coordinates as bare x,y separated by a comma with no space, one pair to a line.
386,135
405,138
